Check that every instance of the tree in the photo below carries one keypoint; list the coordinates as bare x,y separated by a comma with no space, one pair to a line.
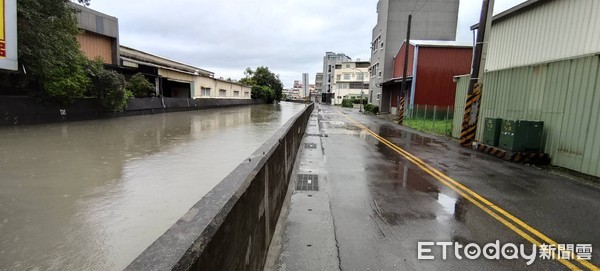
109,86
139,86
48,50
265,84
263,92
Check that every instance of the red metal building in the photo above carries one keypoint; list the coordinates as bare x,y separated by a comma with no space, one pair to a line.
431,67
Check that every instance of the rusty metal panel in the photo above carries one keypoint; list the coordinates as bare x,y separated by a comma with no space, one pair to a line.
553,30
462,85
436,66
399,61
564,95
94,45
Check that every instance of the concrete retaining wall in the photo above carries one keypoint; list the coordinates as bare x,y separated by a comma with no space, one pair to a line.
24,110
231,227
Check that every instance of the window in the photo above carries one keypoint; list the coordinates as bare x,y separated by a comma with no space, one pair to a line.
359,76
236,94
247,94
205,92
347,65
338,77
222,93
356,85
346,76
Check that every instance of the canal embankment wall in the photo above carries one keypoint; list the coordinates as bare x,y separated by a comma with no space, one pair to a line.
231,227
25,110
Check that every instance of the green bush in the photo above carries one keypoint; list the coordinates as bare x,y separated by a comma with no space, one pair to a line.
357,101
347,103
66,81
263,92
139,86
108,86
114,95
372,108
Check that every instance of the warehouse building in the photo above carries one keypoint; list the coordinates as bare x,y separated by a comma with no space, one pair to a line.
543,64
431,67
99,37
178,80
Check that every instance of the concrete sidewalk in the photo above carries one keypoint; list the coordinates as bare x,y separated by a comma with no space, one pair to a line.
373,205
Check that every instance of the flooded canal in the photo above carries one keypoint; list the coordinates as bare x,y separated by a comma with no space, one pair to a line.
93,195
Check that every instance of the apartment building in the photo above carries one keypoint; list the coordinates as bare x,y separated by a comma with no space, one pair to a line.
329,61
350,80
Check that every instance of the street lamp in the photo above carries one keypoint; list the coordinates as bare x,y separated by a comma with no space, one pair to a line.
362,86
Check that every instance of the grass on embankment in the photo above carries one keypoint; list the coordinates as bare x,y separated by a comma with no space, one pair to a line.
440,127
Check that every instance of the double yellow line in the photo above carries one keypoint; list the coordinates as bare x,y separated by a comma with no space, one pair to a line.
491,209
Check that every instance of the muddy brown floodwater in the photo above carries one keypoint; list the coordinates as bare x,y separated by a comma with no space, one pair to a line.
93,195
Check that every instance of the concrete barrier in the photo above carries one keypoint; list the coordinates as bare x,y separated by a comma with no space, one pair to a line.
24,110
231,227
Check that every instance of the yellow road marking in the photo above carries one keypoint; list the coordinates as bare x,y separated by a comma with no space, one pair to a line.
460,188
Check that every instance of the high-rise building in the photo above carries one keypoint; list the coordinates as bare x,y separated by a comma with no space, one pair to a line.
329,61
432,20
319,82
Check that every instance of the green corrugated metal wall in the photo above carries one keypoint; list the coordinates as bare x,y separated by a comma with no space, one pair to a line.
462,85
564,94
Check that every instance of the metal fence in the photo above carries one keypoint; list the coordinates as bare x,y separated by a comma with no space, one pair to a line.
430,118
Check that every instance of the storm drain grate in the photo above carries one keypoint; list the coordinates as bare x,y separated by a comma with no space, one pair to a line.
310,145
307,182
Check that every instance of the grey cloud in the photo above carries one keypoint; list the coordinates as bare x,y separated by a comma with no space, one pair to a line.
288,36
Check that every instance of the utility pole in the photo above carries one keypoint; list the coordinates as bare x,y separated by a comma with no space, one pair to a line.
469,125
400,100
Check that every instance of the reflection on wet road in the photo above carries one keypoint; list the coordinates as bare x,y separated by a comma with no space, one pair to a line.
383,203
93,195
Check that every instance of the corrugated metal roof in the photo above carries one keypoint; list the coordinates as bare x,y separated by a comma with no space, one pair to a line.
163,62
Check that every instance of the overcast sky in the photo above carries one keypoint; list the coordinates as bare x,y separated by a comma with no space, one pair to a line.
288,36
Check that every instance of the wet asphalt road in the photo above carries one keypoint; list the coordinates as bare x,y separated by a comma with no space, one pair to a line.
373,205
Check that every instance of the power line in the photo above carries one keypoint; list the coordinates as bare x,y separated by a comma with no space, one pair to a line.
415,13
415,7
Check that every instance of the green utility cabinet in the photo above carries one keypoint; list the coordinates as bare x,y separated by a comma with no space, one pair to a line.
521,135
491,132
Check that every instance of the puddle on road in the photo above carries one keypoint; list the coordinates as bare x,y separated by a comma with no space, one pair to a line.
392,133
411,180
448,203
